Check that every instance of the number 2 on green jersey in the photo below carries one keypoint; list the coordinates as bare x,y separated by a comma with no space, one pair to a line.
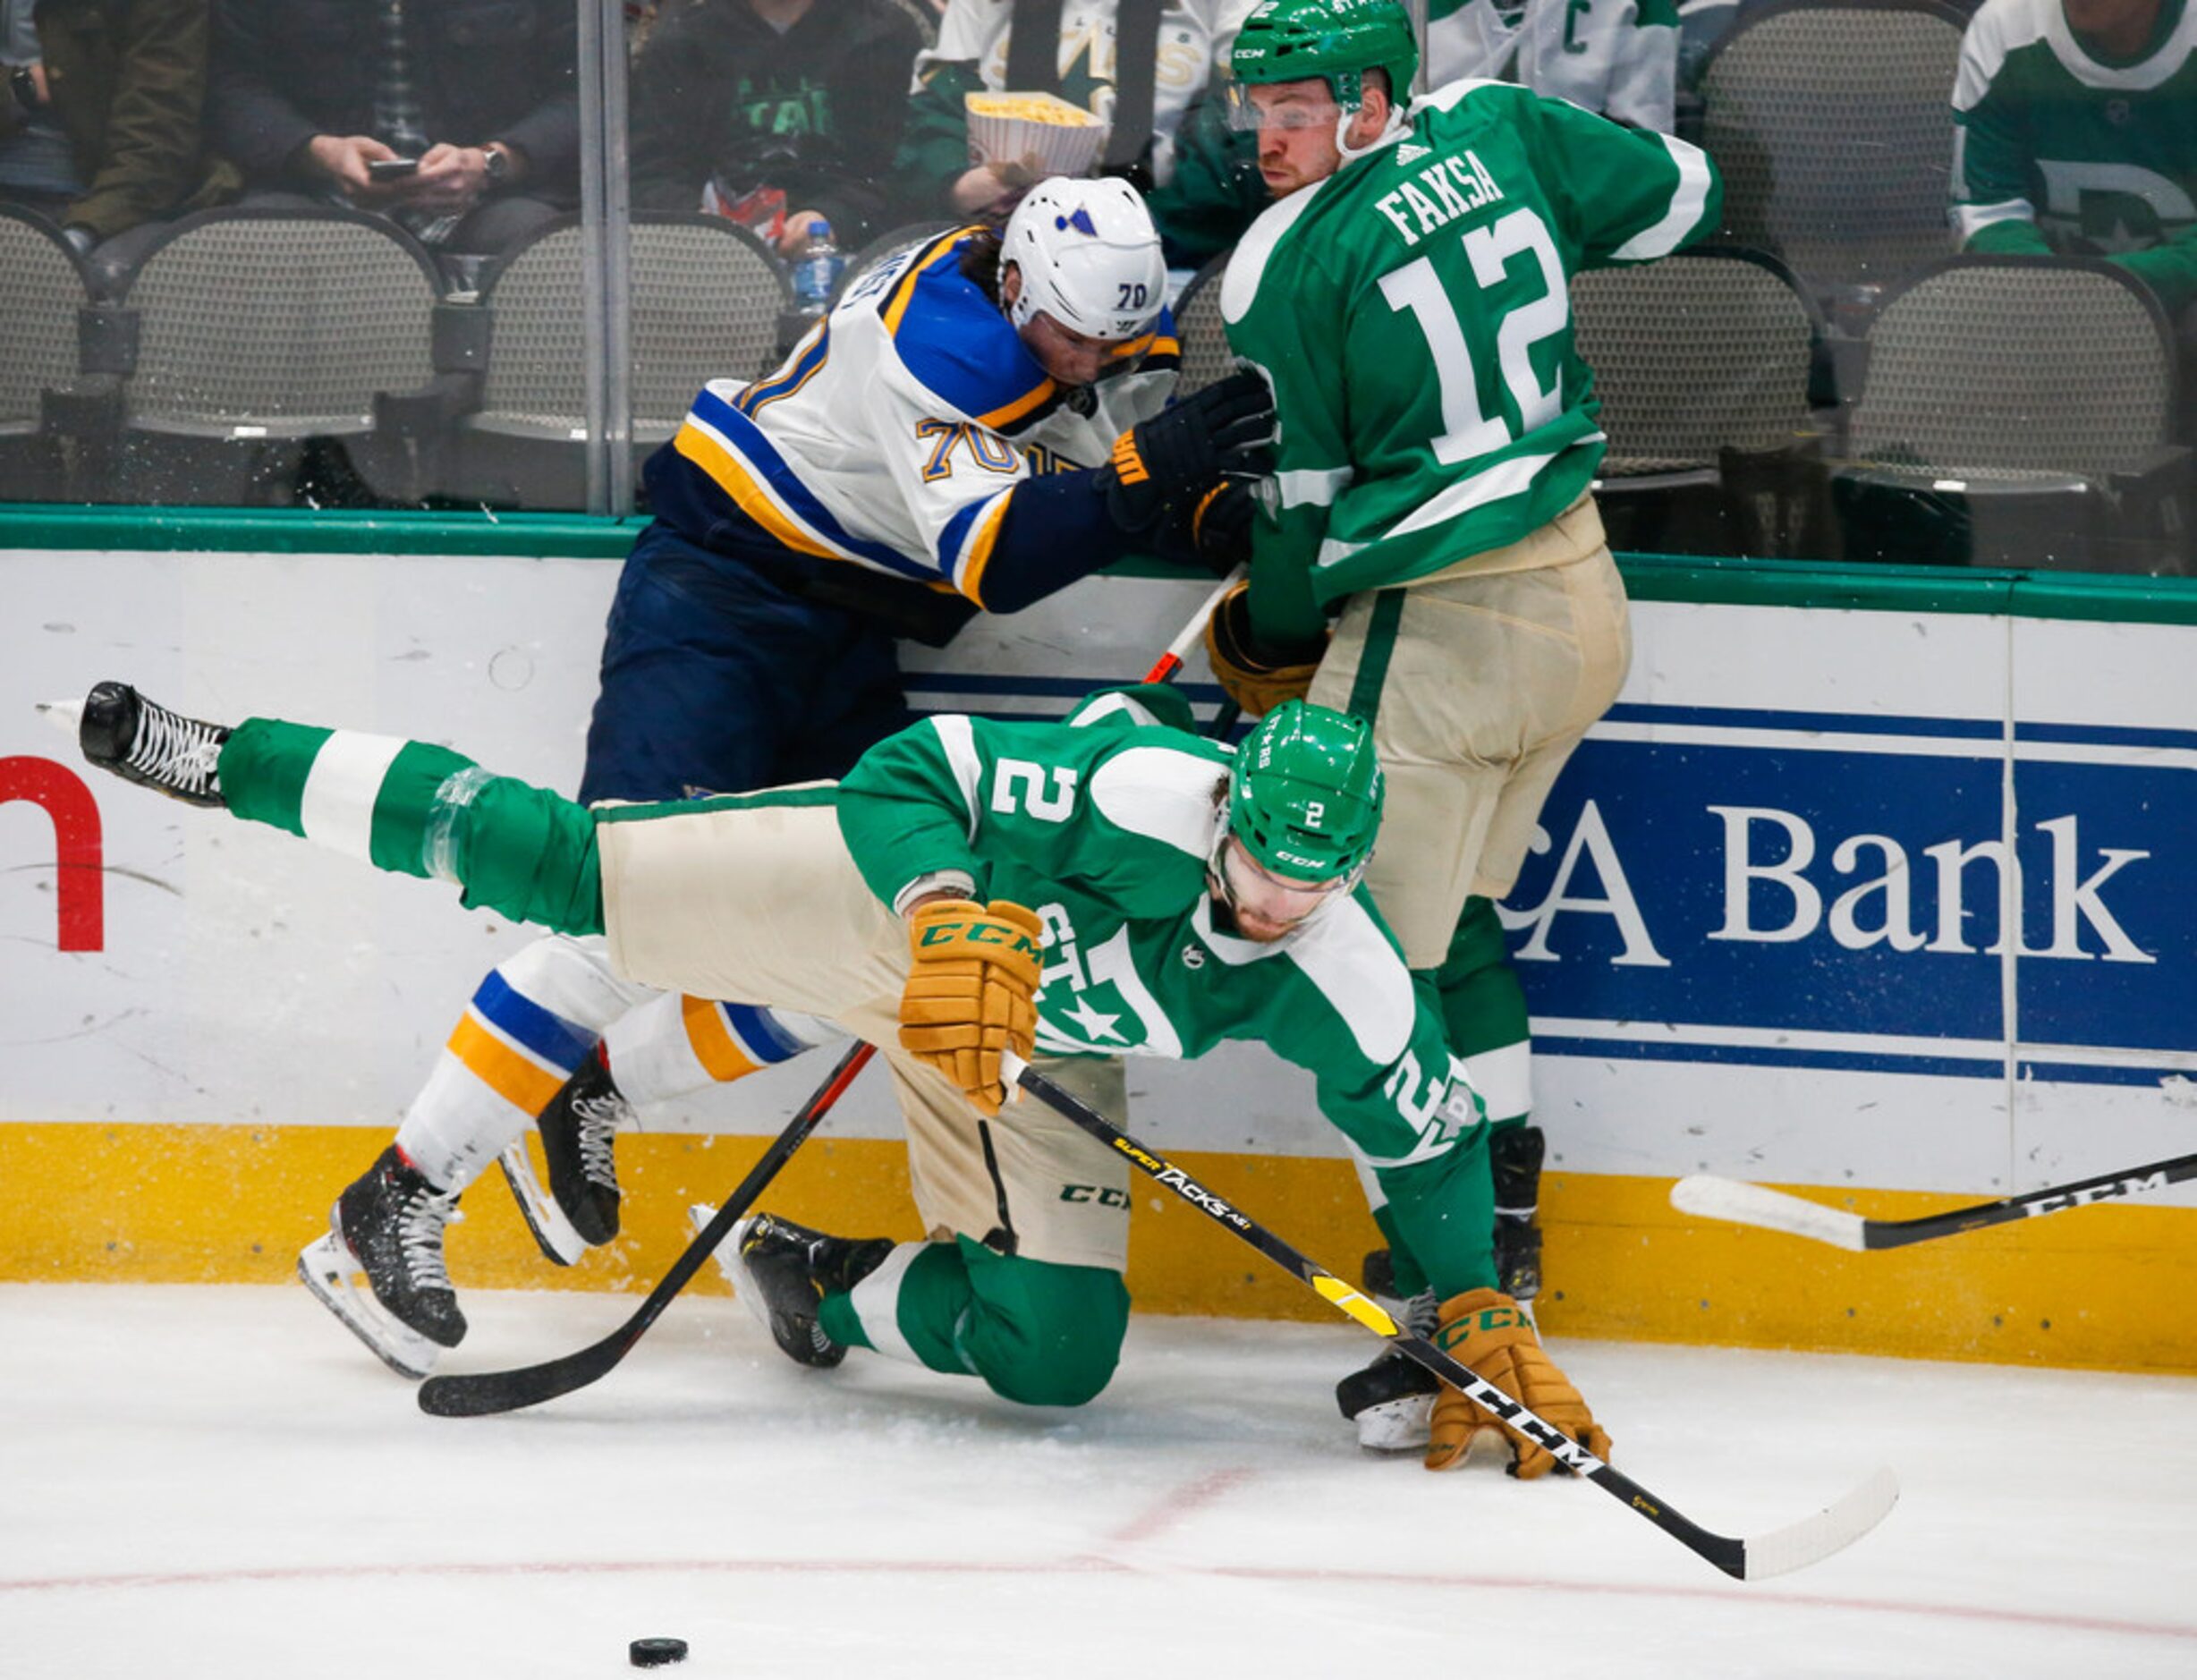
1467,432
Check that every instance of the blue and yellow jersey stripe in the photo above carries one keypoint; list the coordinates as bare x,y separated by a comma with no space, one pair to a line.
965,545
808,358
947,333
732,452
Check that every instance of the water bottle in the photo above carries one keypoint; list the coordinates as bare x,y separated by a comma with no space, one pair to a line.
818,270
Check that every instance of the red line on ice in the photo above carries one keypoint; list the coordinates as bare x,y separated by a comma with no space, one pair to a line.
1195,1493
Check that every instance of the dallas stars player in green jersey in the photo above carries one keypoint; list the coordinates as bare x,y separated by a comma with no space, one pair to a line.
1102,887
2075,131
1407,297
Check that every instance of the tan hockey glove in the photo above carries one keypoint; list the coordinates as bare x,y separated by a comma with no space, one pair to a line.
971,991
1257,677
1488,1333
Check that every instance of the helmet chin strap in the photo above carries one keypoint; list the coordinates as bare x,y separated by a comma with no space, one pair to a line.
1393,130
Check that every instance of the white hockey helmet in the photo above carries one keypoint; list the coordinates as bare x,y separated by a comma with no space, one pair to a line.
1088,257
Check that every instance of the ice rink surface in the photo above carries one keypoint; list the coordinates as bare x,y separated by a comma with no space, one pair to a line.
220,1482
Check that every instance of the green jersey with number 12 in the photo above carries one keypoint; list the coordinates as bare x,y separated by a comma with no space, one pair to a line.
1414,313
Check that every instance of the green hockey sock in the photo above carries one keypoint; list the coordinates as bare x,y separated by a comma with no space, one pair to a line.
418,809
1036,1332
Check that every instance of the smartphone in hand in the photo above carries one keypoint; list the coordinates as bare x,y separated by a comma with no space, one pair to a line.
392,168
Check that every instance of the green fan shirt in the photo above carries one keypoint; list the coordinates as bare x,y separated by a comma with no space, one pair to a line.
2058,147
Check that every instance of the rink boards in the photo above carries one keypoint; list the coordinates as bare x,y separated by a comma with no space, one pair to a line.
1885,897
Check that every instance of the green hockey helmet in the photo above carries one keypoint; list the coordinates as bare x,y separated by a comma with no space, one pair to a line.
1304,797
1336,40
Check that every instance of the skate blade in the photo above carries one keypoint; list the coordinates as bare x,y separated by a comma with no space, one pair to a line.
726,1254
65,715
332,1273
553,1232
1402,1425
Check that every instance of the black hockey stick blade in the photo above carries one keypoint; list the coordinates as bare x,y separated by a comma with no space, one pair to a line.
1716,1198
1794,1547
481,1393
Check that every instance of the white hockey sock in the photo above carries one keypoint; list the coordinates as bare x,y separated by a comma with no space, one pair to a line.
671,1047
525,1028
876,1300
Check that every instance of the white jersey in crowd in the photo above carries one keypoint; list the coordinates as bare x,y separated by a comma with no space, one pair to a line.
897,433
1617,57
1194,37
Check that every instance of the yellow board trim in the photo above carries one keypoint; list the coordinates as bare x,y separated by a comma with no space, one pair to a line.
721,1056
501,1069
2110,1287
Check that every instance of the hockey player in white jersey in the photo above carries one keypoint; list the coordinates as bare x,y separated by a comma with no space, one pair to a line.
973,425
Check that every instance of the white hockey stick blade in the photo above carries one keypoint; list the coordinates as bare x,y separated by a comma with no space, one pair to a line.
1715,1197
1813,1539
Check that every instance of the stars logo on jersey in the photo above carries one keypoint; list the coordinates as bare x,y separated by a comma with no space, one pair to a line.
1093,1000
1095,1025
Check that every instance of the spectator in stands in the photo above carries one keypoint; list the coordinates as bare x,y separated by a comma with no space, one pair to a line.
1616,57
308,96
1150,68
778,114
2075,131
100,127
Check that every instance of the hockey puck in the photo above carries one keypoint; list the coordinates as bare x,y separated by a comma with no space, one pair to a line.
656,1653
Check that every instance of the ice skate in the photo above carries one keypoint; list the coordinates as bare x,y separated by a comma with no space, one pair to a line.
782,1271
578,1128
142,742
553,1232
1514,1163
1392,1400
387,1229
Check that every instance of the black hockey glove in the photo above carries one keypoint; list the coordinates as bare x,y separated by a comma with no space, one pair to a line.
1214,531
1172,459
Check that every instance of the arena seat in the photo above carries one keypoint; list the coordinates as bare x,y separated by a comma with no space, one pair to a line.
1206,355
1703,363
2018,410
244,334
42,289
889,245
1831,121
707,297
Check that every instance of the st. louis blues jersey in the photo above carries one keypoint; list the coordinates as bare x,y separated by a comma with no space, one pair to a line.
912,433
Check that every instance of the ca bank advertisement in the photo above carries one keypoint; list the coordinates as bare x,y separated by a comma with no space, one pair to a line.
1852,897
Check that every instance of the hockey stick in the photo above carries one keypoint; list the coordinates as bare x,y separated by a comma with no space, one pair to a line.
1716,1198
1805,1542
478,1394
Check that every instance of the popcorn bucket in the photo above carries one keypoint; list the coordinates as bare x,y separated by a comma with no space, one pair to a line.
1037,135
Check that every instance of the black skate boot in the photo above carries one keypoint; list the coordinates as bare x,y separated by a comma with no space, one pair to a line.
387,1227
577,1130
1514,1160
782,1271
1392,1400
121,731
